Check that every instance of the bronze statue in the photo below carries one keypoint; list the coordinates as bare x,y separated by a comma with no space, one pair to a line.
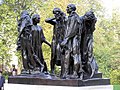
37,39
30,41
58,34
24,42
89,63
71,43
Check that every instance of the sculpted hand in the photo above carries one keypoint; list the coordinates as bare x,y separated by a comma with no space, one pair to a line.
64,42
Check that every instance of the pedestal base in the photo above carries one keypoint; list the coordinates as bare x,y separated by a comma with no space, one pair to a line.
52,80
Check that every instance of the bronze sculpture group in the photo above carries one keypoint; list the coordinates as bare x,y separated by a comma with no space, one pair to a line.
71,47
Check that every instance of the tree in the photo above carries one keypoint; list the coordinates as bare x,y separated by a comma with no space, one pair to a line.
106,35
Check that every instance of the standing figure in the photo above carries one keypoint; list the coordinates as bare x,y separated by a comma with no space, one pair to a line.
88,60
24,42
14,70
37,38
71,44
58,34
2,81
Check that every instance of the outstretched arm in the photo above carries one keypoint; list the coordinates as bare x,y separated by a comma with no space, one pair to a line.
51,21
46,42
43,39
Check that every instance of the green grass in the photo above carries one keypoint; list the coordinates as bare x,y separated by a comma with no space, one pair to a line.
116,87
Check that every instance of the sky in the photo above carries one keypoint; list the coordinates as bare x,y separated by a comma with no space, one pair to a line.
1,2
110,5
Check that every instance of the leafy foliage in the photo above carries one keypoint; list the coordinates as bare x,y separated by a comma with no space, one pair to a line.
106,35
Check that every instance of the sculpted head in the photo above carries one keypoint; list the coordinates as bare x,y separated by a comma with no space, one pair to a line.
25,12
89,16
90,19
36,18
70,8
57,13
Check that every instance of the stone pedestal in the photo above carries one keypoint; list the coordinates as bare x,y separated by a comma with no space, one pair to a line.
52,80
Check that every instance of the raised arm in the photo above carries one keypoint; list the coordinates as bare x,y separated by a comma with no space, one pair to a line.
51,21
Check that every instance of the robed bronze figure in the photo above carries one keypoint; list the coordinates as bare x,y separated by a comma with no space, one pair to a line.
24,42
30,41
36,41
71,44
71,48
59,23
89,64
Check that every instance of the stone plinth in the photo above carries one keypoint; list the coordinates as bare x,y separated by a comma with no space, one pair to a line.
52,80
